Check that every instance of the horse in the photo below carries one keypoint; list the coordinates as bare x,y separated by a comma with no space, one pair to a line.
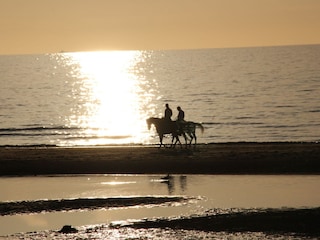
164,126
189,128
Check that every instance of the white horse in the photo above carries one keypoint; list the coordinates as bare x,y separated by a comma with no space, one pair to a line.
188,128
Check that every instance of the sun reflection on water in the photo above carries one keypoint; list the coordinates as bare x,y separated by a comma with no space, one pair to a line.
115,101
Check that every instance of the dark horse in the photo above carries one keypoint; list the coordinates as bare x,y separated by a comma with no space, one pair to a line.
163,127
175,129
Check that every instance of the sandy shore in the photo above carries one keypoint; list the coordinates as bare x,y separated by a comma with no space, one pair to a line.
301,221
11,208
228,158
257,224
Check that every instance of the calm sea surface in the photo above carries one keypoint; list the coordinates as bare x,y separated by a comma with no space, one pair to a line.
99,98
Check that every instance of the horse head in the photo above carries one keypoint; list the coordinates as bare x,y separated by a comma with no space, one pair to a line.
151,121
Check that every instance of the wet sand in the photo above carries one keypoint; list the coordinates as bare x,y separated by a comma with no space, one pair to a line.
10,208
224,158
246,224
300,221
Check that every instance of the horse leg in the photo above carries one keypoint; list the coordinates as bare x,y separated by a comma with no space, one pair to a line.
195,140
178,140
161,138
175,137
191,138
191,135
185,139
173,144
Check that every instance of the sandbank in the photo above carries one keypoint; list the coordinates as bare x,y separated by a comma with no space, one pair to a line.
219,158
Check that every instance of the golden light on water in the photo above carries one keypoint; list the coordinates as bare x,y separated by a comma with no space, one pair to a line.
114,98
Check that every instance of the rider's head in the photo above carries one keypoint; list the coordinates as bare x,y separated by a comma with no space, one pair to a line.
179,108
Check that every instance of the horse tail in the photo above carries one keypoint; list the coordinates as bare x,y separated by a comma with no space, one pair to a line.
200,126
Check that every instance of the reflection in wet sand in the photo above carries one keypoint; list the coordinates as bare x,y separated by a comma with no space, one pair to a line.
169,180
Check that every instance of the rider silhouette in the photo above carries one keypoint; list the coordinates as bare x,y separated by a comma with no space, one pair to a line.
180,114
180,119
168,113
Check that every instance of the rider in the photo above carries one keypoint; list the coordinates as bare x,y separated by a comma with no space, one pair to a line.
168,113
180,119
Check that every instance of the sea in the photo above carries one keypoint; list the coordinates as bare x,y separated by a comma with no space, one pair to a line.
103,98
257,94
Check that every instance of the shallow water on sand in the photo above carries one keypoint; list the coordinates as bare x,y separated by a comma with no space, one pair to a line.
222,192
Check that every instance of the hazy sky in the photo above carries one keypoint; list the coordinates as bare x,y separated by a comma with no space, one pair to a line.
40,26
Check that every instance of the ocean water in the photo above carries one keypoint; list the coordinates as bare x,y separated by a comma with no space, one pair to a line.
98,98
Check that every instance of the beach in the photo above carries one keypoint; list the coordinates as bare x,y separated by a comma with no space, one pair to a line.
238,159
222,158
77,160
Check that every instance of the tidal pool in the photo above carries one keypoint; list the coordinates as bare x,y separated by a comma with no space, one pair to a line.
219,192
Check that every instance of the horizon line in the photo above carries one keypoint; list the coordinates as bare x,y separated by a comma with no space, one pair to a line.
159,49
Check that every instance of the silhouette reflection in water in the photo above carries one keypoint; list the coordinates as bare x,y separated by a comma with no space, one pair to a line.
170,180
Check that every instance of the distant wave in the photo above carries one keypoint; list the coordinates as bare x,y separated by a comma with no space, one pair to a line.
69,132
98,137
37,128
232,123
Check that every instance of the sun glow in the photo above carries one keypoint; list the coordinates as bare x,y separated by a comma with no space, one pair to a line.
113,95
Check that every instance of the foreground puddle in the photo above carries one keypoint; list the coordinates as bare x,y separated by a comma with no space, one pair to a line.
209,192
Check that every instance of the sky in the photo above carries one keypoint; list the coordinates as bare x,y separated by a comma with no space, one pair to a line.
45,26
